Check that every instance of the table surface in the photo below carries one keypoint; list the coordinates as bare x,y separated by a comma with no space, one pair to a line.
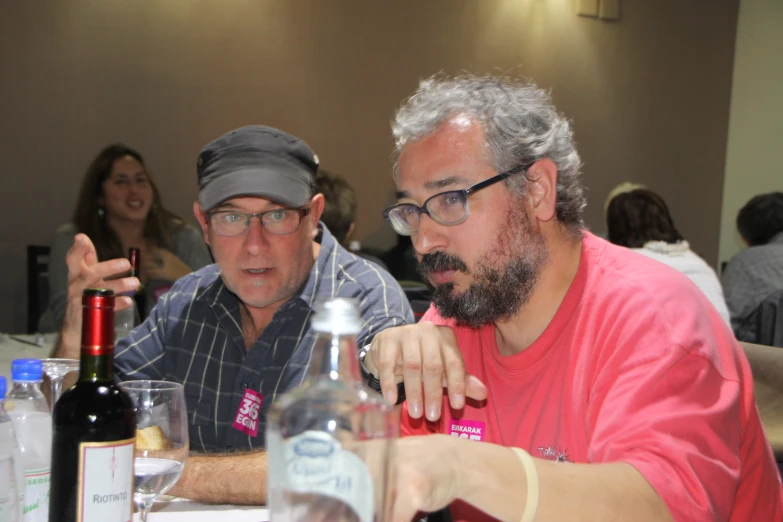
181,510
14,347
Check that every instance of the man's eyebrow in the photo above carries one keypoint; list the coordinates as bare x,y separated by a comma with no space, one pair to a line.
225,206
437,184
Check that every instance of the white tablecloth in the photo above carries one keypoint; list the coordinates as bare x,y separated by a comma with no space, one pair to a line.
180,510
11,349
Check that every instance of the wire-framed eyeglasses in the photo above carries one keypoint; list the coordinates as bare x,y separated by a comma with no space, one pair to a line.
279,221
446,208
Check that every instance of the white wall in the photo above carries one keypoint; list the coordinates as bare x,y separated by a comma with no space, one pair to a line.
754,160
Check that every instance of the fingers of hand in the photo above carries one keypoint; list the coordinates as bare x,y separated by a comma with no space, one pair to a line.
432,376
454,369
385,360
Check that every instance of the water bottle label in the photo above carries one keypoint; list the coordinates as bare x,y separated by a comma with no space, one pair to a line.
105,481
246,419
315,463
36,506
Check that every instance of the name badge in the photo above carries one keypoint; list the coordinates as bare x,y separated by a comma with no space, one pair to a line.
246,419
467,429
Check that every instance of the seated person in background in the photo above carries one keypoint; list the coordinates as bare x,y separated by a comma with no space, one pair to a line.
612,370
243,324
640,220
340,211
119,207
755,274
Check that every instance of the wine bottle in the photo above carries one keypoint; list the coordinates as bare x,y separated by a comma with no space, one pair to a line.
134,256
127,319
94,429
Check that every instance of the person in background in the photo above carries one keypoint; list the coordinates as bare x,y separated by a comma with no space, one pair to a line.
119,207
240,327
583,381
640,220
755,275
339,214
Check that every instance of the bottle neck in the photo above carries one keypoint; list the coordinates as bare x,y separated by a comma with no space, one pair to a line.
27,388
96,367
335,358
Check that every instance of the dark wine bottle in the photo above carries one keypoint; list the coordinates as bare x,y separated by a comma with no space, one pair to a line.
94,429
139,296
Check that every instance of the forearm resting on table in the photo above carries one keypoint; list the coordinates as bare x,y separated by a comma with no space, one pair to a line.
574,492
238,478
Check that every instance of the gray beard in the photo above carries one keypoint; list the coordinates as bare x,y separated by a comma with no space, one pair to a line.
505,278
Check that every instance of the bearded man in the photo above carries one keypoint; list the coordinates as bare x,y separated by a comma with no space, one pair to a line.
584,381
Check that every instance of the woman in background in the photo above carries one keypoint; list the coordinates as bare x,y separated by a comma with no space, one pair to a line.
640,220
119,207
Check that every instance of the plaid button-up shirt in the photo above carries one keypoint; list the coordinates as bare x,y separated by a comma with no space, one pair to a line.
750,277
194,336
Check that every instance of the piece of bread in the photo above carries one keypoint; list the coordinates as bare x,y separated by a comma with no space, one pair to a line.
151,439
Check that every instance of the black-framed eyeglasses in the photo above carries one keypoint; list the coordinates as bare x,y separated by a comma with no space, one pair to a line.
279,221
447,208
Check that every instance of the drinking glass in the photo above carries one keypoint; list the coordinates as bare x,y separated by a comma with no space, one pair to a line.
56,369
161,438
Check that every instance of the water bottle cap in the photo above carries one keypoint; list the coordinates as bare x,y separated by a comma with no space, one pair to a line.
3,387
26,370
338,316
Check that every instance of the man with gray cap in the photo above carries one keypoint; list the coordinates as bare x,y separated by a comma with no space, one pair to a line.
239,329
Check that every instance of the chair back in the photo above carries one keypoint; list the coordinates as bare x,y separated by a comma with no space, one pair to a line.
37,284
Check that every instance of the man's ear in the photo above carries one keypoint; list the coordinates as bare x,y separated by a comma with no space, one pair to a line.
202,221
542,189
317,203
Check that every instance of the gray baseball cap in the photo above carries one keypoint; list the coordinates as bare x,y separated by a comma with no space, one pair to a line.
256,161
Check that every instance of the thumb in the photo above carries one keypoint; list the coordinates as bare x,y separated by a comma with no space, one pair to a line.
475,389
85,249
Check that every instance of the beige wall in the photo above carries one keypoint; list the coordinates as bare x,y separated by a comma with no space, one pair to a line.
754,159
648,95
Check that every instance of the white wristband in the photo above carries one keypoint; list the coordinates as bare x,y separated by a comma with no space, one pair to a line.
531,475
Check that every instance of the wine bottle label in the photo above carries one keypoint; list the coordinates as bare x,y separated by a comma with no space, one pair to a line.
315,463
105,481
36,506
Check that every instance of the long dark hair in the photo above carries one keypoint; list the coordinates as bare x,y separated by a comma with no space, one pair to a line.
639,216
160,223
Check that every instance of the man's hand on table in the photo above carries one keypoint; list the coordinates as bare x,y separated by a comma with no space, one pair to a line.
426,358
84,271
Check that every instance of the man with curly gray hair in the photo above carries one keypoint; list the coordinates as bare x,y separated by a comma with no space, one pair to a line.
553,345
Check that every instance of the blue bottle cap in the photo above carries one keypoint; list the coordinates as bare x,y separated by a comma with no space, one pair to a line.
3,388
26,370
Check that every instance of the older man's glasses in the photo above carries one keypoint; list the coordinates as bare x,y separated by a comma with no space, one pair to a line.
280,221
447,208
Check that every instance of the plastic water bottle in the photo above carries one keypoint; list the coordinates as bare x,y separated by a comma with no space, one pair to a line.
29,413
11,471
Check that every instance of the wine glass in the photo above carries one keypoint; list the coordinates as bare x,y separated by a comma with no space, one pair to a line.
56,369
161,438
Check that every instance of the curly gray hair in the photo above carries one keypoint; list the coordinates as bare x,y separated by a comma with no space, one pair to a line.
519,122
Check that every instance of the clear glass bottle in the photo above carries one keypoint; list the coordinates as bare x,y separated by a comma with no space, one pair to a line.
11,469
29,412
329,443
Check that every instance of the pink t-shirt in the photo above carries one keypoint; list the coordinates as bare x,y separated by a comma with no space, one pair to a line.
636,366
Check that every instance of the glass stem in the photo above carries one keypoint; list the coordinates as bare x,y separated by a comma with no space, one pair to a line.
57,388
144,508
